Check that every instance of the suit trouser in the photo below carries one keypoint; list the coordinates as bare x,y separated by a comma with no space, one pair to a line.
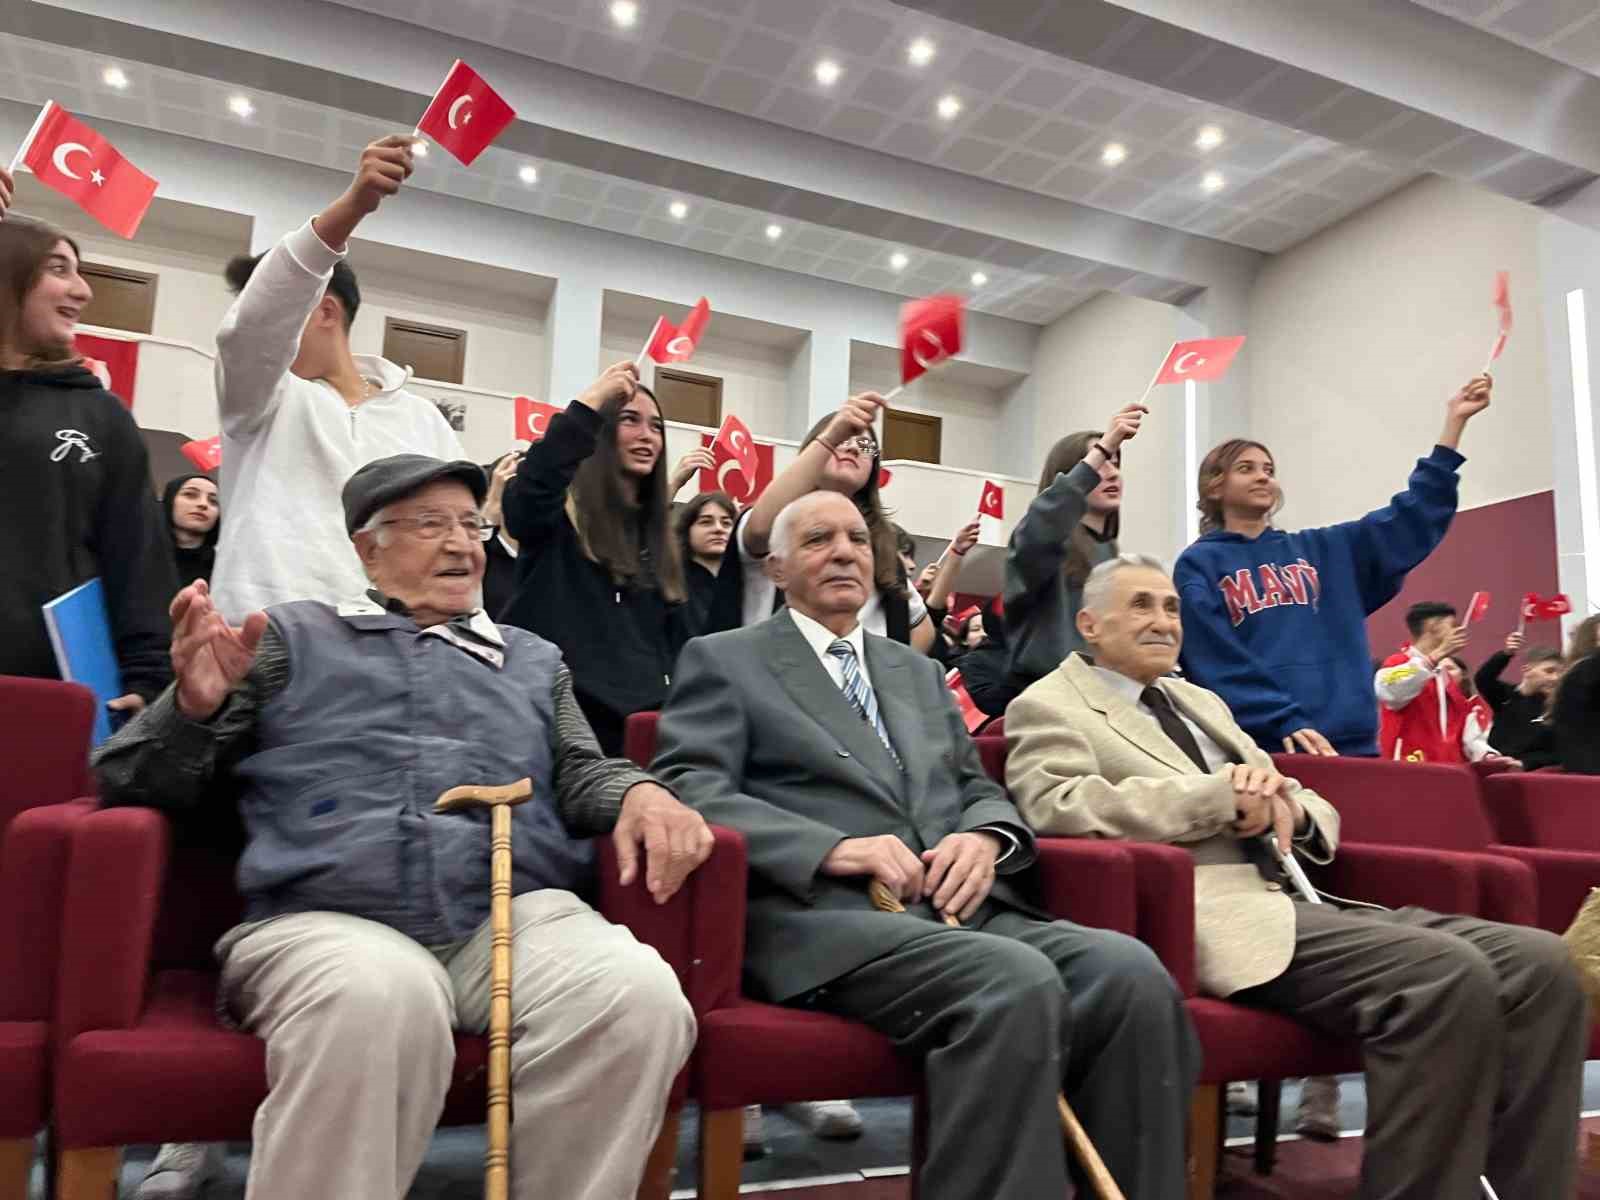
1473,1036
358,1018
1006,1015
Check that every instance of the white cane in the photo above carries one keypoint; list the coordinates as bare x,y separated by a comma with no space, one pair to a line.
1297,876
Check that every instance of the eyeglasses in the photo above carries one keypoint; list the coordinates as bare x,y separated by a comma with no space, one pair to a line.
861,443
430,527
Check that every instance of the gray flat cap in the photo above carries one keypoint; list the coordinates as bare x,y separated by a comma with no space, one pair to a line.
396,477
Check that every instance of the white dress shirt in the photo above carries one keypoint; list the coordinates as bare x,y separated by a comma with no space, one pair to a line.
1131,689
819,637
760,594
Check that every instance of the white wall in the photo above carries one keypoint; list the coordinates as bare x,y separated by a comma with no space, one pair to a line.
970,414
1360,334
1092,362
755,379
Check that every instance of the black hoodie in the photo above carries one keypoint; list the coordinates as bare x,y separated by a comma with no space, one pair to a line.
76,502
192,562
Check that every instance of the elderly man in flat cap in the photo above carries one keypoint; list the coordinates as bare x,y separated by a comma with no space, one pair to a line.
366,939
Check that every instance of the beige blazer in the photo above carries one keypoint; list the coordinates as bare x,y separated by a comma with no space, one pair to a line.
1084,762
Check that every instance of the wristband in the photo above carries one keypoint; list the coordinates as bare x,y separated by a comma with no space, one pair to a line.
958,553
1103,450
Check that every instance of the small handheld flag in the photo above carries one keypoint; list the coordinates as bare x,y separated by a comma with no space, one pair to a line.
206,454
533,418
65,154
669,343
1477,608
1502,301
466,114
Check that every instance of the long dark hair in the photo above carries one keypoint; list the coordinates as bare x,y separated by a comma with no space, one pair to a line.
1067,453
1585,642
690,513
604,514
25,244
887,572
1214,468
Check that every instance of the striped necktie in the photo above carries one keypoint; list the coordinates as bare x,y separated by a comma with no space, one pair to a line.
860,694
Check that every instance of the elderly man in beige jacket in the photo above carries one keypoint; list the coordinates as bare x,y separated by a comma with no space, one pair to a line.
1473,1032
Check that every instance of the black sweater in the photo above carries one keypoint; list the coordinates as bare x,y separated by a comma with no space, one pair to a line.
75,490
619,642
1577,717
1517,730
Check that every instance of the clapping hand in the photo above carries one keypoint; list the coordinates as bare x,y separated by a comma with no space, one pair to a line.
209,657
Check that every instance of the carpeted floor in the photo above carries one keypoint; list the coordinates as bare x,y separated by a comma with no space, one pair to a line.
872,1167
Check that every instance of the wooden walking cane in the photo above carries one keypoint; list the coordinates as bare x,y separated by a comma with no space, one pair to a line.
1105,1187
496,1162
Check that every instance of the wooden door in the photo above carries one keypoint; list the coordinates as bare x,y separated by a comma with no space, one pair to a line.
688,397
913,436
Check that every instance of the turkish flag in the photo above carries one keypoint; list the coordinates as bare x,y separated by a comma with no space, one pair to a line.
466,114
930,333
1557,606
727,474
206,454
115,362
1477,607
67,155
1502,301
735,438
1202,360
1536,608
971,714
533,418
884,475
993,501
675,343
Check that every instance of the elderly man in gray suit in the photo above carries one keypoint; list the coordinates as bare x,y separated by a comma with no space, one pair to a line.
1473,1032
841,758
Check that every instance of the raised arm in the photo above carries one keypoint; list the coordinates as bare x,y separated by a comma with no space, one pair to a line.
1494,690
804,474
944,583
260,334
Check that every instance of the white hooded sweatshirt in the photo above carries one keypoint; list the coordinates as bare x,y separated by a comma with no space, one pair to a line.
289,444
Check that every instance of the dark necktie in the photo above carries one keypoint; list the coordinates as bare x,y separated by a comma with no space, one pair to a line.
1173,725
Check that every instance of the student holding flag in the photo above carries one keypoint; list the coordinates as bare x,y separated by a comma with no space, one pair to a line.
1068,530
1575,709
1275,622
300,413
74,475
598,571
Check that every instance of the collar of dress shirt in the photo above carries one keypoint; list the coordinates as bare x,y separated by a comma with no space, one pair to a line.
819,637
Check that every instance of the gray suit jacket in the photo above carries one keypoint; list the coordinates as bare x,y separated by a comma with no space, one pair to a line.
1083,762
757,737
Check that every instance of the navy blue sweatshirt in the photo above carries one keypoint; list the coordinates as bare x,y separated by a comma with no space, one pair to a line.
1276,625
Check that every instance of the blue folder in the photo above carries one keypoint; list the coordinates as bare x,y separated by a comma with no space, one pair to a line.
80,634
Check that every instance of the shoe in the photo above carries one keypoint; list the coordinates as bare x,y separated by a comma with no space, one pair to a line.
1318,1117
755,1132
835,1120
180,1171
1241,1099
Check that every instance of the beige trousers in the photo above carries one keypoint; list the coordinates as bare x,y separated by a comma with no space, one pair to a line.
358,1018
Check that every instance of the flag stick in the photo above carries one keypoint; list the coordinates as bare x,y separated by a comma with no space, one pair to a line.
1151,386
893,392
1494,353
638,362
27,142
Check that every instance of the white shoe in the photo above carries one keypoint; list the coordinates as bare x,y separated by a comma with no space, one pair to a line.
1318,1116
1241,1099
832,1119
180,1171
755,1132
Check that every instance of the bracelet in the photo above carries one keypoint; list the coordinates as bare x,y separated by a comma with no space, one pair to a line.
1103,450
951,549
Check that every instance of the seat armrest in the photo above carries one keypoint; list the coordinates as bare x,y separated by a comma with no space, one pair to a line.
1445,881
1165,881
114,881
34,859
1563,877
1088,881
700,931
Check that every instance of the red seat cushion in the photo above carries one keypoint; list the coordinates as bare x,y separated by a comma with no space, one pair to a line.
755,1053
1250,1043
181,1075
24,1069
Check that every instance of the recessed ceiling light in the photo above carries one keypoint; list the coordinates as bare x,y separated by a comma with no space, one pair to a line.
1209,137
528,173
625,13
1213,182
678,209
419,149
115,77
920,52
949,107
828,72
774,232
898,260
240,106
1114,153
979,279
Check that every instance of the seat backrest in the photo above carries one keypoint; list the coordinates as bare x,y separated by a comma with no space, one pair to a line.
44,743
1558,812
1397,804
992,752
639,738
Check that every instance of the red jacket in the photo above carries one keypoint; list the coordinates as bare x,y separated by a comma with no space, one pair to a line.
1431,717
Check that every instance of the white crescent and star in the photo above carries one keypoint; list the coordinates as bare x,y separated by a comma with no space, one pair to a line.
1179,369
722,478
533,424
681,345
455,107
933,339
736,440
65,151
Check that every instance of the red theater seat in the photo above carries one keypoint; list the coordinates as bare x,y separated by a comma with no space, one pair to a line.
141,1054
44,743
1552,823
